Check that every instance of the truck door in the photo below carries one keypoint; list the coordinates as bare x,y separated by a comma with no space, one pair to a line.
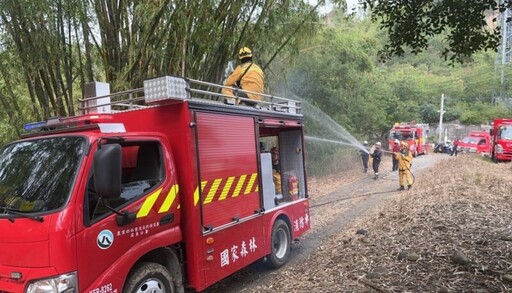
292,161
102,244
230,198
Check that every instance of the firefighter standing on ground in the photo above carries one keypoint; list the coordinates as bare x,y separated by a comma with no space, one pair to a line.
395,149
455,147
376,155
404,158
247,76
365,154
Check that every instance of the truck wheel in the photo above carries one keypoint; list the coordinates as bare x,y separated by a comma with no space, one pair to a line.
281,244
149,278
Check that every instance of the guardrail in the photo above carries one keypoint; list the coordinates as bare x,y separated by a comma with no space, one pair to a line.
177,88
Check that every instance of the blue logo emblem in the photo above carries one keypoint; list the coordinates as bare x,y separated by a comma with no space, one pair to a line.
105,239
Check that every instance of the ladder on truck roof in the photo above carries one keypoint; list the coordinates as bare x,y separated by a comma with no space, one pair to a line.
98,98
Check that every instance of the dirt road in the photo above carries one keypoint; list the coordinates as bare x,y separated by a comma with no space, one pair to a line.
353,195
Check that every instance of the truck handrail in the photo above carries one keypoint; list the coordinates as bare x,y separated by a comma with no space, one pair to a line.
135,98
241,90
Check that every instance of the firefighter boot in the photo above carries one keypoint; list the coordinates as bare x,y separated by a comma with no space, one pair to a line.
401,188
409,187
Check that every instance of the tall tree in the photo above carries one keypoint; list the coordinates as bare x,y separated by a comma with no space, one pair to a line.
469,25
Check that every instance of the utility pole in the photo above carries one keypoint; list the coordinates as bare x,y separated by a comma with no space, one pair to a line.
505,51
441,112
503,57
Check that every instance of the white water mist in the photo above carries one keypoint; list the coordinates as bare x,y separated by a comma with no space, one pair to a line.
337,133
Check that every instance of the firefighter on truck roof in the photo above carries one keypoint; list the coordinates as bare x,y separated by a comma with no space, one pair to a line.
246,76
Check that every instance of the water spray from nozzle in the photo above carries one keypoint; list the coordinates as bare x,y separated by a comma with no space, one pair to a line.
331,141
336,133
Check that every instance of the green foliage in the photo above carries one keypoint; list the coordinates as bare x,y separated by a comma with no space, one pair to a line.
480,113
7,132
428,113
340,73
411,24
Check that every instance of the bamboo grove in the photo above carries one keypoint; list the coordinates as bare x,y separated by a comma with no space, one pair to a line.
50,48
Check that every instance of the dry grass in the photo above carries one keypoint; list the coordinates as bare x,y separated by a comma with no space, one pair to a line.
452,233
319,187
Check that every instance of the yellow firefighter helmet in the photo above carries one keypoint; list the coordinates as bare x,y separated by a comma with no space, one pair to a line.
244,52
404,144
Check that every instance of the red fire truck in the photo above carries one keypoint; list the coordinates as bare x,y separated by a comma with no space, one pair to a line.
415,134
476,142
501,140
153,190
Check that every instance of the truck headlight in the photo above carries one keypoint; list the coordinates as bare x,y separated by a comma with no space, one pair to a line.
63,283
499,149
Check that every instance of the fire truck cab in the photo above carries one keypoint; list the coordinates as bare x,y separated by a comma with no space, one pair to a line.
501,140
476,142
152,190
415,134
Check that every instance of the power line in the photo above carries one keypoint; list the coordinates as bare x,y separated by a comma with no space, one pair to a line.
459,79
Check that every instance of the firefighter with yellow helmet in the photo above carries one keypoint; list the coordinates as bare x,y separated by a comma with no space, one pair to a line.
247,76
404,158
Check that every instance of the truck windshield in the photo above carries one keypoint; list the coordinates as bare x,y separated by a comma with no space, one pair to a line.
471,139
506,132
401,135
37,175
396,135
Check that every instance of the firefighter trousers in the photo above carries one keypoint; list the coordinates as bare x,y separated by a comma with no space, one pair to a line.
230,92
407,174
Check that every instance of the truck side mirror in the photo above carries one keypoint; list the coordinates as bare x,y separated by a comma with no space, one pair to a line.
107,171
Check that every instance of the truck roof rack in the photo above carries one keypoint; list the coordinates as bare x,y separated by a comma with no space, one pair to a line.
98,98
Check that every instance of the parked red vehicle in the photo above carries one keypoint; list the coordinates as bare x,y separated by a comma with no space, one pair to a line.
476,142
501,140
151,192
415,134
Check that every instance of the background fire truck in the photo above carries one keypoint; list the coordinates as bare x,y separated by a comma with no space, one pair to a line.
152,191
476,142
501,140
415,134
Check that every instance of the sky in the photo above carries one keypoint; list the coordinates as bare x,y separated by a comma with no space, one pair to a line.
351,3
328,6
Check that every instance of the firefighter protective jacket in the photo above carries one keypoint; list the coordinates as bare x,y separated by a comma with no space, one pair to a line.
404,158
247,76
